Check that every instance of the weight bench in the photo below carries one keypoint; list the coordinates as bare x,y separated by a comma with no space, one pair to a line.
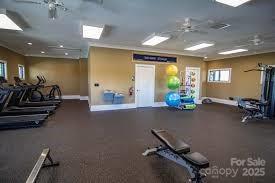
179,152
45,155
254,108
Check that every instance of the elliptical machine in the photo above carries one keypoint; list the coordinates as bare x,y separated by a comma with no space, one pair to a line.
36,94
264,108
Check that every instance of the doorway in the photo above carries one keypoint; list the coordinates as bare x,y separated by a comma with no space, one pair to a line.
144,85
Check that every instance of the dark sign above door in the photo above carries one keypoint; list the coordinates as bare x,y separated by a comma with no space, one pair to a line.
154,58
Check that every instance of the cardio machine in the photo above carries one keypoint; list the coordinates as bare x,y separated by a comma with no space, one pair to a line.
25,95
18,119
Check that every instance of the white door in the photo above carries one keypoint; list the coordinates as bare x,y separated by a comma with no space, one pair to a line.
194,74
144,85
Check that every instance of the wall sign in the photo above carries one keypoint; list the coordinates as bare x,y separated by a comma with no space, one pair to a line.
154,58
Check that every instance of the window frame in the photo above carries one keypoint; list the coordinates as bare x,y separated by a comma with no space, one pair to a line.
24,72
221,69
5,67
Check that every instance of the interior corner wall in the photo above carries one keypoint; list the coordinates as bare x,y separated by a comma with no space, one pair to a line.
60,71
13,59
83,76
113,69
243,84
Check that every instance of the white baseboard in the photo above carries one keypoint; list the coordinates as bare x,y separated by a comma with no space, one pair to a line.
163,104
199,102
222,101
112,107
159,104
84,98
125,106
75,97
71,97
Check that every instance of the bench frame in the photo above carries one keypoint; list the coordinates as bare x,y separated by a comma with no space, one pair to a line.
45,155
165,152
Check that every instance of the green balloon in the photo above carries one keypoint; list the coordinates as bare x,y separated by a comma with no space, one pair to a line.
173,82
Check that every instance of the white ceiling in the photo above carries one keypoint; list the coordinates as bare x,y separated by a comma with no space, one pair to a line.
128,22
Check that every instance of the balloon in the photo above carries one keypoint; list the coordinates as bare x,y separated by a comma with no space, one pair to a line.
173,82
172,99
171,70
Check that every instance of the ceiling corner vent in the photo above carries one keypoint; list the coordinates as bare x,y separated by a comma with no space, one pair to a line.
218,26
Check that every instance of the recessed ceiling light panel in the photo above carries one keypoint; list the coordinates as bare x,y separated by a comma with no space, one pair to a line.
92,32
199,46
154,40
42,52
233,3
6,22
232,51
29,43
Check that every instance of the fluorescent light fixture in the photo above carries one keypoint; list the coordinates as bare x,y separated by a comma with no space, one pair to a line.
233,3
205,57
199,46
7,23
66,54
61,46
154,40
42,52
92,32
29,43
232,51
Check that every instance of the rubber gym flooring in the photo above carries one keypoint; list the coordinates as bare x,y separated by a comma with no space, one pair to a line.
106,147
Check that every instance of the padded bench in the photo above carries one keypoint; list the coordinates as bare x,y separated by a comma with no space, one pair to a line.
178,151
175,145
181,148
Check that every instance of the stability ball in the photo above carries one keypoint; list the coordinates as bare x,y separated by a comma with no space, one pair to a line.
173,82
172,99
171,70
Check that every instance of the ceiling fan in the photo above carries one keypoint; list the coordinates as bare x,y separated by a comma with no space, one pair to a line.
257,41
52,5
187,26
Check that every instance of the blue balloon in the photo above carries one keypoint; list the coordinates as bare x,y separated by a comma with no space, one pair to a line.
172,99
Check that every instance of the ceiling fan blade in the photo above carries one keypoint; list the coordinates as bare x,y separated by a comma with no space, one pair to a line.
171,32
53,13
100,2
26,1
198,31
244,45
64,48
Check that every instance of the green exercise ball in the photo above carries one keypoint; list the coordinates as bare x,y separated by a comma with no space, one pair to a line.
173,82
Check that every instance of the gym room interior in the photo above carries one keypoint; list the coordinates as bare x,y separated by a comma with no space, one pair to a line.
145,91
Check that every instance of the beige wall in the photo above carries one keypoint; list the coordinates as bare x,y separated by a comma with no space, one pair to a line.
243,84
83,77
63,72
113,69
12,59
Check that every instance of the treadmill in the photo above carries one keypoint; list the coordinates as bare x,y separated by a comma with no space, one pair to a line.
28,89
21,119
12,104
24,102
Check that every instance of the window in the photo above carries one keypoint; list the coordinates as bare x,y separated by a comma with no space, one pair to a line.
21,72
3,69
219,75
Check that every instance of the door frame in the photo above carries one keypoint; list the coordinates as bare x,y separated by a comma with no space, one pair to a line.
199,79
154,81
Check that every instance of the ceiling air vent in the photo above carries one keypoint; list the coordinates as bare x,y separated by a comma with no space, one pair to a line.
219,26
